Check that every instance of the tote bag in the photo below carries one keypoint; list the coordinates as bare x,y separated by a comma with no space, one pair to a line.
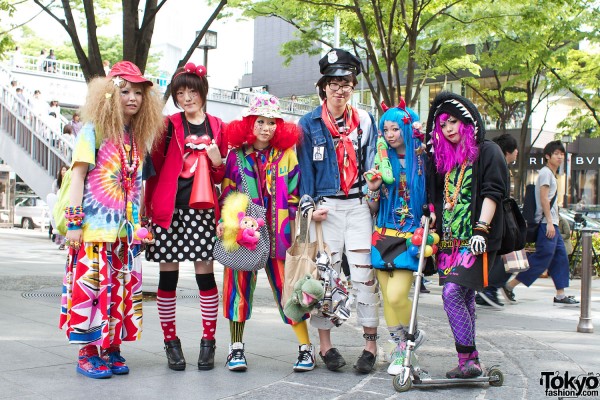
300,257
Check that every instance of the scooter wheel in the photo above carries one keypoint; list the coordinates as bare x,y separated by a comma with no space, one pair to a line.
496,377
401,387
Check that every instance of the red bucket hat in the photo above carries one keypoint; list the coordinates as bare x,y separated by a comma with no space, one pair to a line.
128,71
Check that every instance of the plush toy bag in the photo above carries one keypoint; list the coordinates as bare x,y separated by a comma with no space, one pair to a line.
244,259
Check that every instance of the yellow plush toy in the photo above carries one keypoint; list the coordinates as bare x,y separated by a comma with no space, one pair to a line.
239,228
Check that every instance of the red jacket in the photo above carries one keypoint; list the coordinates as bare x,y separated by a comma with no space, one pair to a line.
161,189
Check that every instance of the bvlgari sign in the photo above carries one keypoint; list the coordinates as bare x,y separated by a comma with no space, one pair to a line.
585,162
536,161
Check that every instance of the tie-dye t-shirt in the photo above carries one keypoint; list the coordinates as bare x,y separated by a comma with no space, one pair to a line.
104,200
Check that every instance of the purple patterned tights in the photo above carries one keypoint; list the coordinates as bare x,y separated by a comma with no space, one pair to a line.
459,303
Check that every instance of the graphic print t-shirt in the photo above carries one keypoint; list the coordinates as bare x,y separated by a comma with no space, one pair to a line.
104,202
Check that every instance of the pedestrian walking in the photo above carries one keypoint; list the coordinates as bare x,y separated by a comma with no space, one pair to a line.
550,253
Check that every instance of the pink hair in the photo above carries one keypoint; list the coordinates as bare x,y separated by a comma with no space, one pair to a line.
447,155
240,132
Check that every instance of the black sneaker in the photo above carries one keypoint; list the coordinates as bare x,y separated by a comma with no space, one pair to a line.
490,297
508,294
480,301
567,301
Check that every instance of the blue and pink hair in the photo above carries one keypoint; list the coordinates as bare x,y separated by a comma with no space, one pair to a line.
447,155
416,182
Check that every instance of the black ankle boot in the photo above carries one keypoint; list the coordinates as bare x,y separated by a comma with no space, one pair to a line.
206,360
175,354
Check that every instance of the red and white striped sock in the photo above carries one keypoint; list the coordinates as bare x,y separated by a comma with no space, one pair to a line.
209,306
166,301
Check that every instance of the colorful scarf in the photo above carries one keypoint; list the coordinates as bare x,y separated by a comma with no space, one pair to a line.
344,150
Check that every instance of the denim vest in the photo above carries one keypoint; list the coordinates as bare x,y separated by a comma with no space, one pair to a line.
320,178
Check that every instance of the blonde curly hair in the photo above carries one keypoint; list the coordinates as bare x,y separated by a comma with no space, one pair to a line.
103,102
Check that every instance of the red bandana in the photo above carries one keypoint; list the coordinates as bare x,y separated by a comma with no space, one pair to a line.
344,150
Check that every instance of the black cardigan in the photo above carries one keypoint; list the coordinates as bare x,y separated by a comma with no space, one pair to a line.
491,181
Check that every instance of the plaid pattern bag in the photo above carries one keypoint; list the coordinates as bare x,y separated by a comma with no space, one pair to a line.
515,261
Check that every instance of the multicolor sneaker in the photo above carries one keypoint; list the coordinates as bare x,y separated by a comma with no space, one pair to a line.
397,359
113,359
91,365
236,360
306,358
468,367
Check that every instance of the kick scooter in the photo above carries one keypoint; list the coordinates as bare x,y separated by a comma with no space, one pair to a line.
413,375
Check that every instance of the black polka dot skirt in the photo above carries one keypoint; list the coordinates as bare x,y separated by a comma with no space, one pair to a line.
189,238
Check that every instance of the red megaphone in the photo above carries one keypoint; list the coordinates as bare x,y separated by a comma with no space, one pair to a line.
202,188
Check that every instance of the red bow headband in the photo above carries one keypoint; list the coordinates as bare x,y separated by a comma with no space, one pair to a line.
191,68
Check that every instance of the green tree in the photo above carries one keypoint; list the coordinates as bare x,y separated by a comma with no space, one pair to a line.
398,40
136,35
516,51
579,73
6,40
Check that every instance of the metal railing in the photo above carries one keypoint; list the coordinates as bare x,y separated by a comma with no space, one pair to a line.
33,133
68,70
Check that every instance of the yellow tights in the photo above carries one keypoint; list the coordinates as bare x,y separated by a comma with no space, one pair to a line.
301,331
395,288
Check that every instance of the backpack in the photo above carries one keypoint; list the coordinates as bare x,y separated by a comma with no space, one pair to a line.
529,206
515,227
529,209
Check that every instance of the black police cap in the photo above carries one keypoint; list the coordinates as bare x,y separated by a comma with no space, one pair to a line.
338,62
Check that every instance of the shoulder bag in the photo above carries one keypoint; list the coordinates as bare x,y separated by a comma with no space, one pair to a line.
244,259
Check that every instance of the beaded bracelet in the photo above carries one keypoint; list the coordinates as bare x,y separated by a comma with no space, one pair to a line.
372,196
74,217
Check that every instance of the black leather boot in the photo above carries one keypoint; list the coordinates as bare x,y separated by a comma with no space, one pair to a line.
175,354
206,360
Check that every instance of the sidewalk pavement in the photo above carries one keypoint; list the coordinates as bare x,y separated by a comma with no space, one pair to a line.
525,340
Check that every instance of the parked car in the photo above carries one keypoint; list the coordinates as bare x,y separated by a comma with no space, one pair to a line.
31,212
579,221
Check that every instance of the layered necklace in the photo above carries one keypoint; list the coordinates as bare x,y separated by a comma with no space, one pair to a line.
130,162
402,206
450,201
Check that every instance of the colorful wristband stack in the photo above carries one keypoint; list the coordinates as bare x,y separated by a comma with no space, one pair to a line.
74,216
372,196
